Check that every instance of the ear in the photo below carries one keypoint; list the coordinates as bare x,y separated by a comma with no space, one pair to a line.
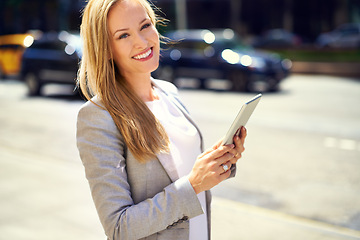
109,55
108,49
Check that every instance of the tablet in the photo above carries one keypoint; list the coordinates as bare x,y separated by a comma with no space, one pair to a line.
241,119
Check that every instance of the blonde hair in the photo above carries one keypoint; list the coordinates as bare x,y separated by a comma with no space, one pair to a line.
142,132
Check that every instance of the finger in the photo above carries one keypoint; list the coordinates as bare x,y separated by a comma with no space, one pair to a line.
225,158
219,152
235,159
239,145
236,152
207,151
243,134
224,176
239,140
224,168
218,144
215,147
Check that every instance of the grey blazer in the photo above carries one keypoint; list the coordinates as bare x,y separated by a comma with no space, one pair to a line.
134,200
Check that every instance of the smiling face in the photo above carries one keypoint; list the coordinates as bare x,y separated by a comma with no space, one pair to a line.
134,39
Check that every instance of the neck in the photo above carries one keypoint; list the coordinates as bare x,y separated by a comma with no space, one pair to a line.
143,87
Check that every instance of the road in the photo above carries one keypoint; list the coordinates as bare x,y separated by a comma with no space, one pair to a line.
302,153
303,148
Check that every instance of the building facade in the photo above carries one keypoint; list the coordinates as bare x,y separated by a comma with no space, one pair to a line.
307,18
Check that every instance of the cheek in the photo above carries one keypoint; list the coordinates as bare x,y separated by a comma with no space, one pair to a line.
119,55
154,34
120,49
156,42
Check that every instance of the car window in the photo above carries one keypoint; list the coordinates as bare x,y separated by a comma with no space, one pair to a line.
194,49
58,45
11,46
233,44
350,31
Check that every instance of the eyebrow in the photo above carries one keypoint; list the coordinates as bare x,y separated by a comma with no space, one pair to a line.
125,29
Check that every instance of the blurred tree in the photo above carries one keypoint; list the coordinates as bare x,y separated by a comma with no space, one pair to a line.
288,16
235,7
181,14
248,17
63,11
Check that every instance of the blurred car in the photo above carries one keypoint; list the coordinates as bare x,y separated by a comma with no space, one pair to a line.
345,36
12,48
52,58
205,54
277,38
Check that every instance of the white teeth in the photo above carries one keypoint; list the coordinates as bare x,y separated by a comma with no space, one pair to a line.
144,55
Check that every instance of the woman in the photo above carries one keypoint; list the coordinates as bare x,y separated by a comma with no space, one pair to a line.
140,148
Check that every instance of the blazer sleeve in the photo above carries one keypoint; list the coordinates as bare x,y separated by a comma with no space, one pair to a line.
102,152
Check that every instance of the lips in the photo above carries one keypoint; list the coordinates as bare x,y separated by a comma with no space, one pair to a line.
144,55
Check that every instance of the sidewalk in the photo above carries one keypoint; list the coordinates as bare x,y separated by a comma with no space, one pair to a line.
346,69
237,221
44,198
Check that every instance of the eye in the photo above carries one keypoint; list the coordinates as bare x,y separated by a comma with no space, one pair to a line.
124,35
146,25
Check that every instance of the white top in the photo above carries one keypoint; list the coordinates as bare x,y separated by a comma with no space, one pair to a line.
185,147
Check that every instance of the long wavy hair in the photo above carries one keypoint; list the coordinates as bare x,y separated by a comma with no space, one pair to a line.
98,75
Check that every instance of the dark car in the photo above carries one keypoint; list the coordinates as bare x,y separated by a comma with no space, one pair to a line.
205,54
52,58
277,38
345,36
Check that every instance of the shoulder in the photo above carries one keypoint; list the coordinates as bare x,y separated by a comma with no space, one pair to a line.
96,130
93,106
93,113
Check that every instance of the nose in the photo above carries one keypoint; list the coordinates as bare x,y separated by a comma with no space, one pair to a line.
140,41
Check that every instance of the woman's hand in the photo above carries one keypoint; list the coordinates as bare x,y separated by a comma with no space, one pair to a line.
208,170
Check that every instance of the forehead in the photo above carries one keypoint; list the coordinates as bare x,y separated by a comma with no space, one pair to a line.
125,12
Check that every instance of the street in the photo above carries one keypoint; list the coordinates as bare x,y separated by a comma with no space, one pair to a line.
302,157
303,147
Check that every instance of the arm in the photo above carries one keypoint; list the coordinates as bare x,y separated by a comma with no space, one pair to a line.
102,152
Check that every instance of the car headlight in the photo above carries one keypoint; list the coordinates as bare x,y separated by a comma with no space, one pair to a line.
286,63
208,36
258,63
175,54
28,41
69,50
230,56
246,60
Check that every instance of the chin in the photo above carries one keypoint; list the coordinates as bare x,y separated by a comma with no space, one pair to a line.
155,66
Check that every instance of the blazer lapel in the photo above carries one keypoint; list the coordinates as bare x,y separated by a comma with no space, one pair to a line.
166,159
177,102
182,108
168,163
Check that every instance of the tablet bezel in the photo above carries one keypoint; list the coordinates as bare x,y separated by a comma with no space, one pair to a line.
241,119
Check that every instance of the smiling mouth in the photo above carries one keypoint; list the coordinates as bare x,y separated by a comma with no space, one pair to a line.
143,55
